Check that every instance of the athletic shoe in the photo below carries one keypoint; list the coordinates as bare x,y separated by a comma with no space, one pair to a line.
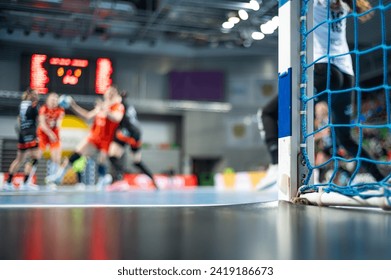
80,187
51,187
104,182
270,179
57,177
52,179
28,187
8,187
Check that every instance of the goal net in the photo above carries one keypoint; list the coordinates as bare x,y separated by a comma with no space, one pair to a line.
336,149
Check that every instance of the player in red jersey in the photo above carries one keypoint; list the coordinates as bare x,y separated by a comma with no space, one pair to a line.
106,117
50,117
129,134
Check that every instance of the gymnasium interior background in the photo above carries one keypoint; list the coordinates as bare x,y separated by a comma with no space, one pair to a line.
147,41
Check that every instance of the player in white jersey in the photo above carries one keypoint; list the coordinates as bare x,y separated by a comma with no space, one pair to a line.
334,70
324,50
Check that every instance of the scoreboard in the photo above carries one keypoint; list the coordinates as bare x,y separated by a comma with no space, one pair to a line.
66,75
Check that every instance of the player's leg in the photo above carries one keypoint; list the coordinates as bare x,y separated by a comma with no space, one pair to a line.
270,126
269,120
138,163
342,115
27,140
104,179
30,169
14,167
44,142
79,167
116,151
55,160
341,109
81,150
55,153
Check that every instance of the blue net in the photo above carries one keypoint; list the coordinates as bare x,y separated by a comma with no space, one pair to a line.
365,169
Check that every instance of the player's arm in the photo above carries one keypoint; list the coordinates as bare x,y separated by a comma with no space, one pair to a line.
60,118
85,114
17,126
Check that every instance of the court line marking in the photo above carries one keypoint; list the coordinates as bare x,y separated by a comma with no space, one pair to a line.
265,204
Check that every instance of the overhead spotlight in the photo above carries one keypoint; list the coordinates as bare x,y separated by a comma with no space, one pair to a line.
41,34
10,30
234,20
267,28
257,35
276,21
26,32
83,38
243,14
227,25
254,5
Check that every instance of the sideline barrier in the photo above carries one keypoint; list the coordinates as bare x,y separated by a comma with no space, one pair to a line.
17,180
239,181
141,181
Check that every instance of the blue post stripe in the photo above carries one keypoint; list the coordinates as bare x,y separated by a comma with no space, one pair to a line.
285,104
282,2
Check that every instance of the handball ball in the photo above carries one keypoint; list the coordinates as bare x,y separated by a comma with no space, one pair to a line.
64,101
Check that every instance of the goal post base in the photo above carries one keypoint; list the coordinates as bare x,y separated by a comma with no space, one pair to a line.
335,199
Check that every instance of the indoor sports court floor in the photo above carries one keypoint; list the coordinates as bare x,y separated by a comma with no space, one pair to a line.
193,224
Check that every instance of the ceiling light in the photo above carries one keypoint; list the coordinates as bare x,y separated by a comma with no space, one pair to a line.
276,21
254,5
227,25
234,20
243,14
257,35
267,28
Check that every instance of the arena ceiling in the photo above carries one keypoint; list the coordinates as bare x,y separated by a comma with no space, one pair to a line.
148,24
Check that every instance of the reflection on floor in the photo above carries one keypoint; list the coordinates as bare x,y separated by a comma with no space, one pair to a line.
258,230
198,196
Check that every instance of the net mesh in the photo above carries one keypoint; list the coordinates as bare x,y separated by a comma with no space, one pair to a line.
334,169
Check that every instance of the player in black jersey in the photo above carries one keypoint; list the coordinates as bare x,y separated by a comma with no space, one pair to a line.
127,133
27,142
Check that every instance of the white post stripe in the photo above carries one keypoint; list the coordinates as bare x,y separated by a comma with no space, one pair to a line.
284,38
289,59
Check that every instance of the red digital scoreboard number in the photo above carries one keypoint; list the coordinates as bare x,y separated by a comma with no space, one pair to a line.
70,75
38,74
103,80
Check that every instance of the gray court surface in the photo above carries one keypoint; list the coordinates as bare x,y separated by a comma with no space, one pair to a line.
199,224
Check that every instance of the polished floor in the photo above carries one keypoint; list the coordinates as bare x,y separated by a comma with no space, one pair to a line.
200,224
